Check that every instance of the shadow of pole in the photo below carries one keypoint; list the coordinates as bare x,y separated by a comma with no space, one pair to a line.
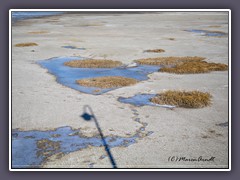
87,117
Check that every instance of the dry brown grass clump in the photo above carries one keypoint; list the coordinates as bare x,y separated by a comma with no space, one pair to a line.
195,67
155,50
26,44
169,38
214,26
186,99
93,63
91,24
38,32
220,32
107,82
165,61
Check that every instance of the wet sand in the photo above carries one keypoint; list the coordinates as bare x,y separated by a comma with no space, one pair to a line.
41,103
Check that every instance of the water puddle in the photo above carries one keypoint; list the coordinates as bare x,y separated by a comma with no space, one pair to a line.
208,33
68,75
31,148
73,47
20,15
141,100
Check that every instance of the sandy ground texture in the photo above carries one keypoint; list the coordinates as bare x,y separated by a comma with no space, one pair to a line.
40,103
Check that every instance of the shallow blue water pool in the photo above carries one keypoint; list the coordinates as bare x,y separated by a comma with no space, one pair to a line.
73,47
26,153
68,75
207,33
142,100
20,15
138,100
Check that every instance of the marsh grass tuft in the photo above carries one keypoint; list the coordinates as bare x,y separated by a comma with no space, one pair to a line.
107,82
155,50
185,99
183,65
91,24
38,32
195,67
93,63
217,32
168,61
26,44
214,26
169,38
